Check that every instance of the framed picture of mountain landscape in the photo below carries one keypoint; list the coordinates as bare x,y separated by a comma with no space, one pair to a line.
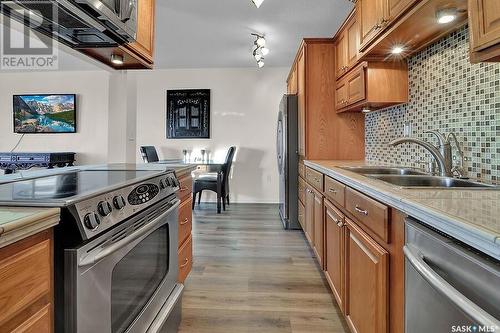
48,113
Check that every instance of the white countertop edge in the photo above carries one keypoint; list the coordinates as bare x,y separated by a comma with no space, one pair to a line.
475,237
29,230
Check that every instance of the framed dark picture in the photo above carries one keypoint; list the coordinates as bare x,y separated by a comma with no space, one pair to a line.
188,114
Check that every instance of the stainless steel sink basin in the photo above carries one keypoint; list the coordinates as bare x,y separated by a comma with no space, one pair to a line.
426,181
380,170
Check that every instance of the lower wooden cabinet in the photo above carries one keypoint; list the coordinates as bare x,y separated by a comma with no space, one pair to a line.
309,214
334,252
26,285
318,244
367,282
185,245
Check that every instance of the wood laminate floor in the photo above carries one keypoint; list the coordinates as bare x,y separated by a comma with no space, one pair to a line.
250,275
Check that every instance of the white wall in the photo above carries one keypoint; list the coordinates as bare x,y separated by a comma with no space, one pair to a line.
244,107
91,140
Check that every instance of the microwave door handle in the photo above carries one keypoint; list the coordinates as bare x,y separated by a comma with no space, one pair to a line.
92,258
447,290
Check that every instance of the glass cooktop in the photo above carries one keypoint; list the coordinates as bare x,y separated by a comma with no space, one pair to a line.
59,189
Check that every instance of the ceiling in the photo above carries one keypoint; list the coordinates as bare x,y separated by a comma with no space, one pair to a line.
216,33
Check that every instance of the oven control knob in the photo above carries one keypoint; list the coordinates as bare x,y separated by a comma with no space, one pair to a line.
163,184
119,202
91,221
175,182
104,208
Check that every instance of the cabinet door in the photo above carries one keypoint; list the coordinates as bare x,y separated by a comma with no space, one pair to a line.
366,274
309,231
484,23
301,96
318,227
371,19
356,86
396,7
144,41
341,94
340,55
352,38
292,81
334,251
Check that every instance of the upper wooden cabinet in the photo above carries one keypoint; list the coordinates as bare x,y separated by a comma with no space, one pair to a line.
347,45
323,134
291,83
372,17
410,24
138,54
484,25
373,85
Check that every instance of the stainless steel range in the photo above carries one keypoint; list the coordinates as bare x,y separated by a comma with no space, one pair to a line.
115,248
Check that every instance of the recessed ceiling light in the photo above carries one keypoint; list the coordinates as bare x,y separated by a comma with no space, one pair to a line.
117,59
398,49
446,15
260,63
264,50
257,3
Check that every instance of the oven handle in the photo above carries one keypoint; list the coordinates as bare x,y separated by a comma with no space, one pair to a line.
104,252
447,290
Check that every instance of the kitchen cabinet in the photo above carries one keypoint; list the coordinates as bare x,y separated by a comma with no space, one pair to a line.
138,54
347,45
318,244
484,25
373,85
411,24
292,82
185,222
372,17
309,214
363,257
366,273
323,133
26,291
334,251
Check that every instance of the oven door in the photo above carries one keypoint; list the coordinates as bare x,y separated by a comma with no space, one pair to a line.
122,281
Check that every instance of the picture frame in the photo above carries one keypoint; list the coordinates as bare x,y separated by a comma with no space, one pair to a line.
188,114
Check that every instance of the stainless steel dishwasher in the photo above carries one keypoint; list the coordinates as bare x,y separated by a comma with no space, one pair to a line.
448,286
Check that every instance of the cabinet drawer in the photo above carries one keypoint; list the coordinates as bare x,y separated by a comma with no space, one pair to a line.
335,190
302,190
314,178
40,322
302,170
302,216
186,187
185,259
25,276
185,220
372,214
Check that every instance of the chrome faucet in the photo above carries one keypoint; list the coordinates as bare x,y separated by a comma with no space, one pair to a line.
442,154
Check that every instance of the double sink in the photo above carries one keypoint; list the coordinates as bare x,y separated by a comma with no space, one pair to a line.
412,178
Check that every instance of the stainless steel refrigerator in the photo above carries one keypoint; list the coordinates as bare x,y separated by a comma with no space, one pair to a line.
288,158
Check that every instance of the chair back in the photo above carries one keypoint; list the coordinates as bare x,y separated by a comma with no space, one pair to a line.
226,167
149,154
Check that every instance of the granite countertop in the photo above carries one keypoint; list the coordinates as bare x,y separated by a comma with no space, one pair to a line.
17,223
470,215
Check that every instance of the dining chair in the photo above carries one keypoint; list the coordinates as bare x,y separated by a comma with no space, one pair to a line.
149,154
217,182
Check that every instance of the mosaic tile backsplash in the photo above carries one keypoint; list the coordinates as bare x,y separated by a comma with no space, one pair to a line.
449,94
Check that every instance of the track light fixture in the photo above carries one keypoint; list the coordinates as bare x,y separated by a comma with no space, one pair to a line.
257,3
260,49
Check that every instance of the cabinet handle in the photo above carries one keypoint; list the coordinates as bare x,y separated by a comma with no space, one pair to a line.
331,190
186,261
340,224
186,220
361,211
